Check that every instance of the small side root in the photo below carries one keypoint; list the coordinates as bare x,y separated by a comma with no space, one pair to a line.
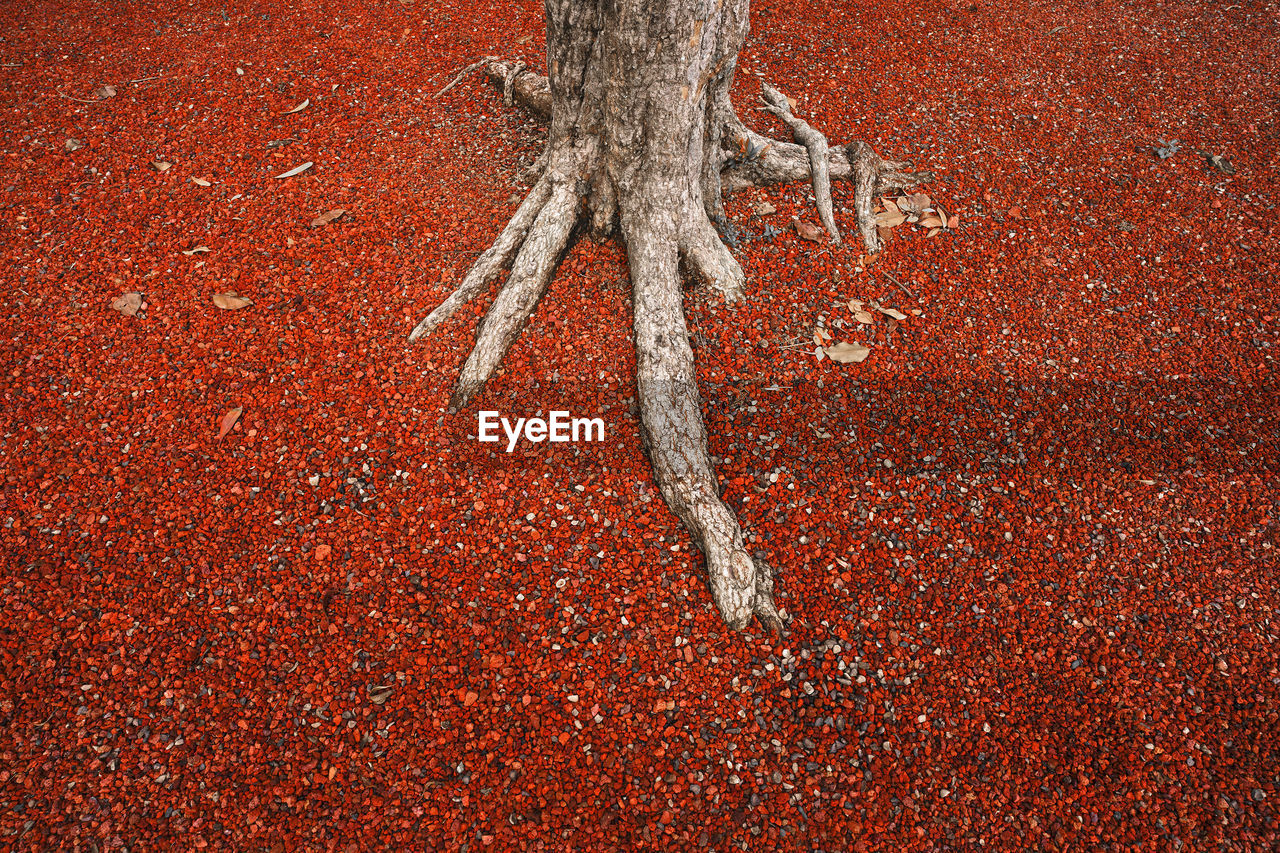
709,260
816,146
507,79
786,162
530,275
871,177
482,61
491,261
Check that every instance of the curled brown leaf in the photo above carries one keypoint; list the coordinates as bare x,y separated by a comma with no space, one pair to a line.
230,301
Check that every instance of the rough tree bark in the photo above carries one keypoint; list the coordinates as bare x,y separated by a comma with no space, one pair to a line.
642,138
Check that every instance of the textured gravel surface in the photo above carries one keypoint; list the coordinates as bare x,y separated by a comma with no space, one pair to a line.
1028,546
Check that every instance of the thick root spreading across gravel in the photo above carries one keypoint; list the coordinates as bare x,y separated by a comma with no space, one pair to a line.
662,224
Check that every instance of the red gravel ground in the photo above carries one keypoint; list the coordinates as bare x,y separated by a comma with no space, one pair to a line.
1029,546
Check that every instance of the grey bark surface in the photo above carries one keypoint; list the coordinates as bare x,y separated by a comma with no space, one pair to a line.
641,138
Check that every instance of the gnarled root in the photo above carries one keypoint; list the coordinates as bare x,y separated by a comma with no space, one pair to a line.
673,430
785,162
816,144
491,262
872,176
530,274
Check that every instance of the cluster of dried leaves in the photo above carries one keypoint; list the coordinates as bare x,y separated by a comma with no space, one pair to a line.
870,313
917,209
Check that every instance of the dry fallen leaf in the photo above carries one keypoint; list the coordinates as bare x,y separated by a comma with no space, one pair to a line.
297,170
525,39
914,204
103,92
764,208
1221,163
864,317
299,108
819,354
897,315
916,312
933,221
807,230
72,145
128,304
231,302
161,165
326,218
934,232
954,222
793,103
228,421
196,250
201,182
890,219
885,233
380,693
846,353
855,304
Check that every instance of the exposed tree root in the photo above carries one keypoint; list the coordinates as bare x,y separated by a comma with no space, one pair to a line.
816,144
778,162
784,163
491,262
664,221
528,89
530,274
672,427
708,259
507,81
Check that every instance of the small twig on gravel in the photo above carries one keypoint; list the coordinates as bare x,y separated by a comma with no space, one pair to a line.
901,286
147,79
81,100
464,72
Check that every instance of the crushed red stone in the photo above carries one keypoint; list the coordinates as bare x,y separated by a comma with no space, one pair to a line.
1028,546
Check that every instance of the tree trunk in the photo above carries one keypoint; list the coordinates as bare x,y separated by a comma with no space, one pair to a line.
642,138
